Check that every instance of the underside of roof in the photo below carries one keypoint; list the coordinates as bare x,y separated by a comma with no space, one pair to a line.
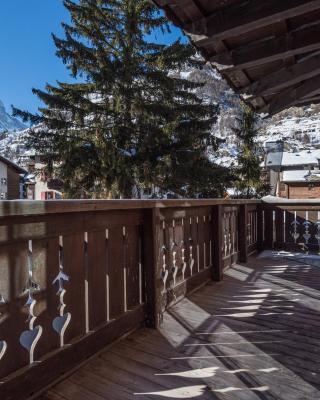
267,50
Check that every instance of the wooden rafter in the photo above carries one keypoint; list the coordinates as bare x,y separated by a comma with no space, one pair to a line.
288,76
307,89
269,51
273,49
243,17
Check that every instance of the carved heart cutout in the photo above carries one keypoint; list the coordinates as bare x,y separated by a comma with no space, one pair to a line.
184,266
191,265
3,348
60,325
164,276
29,340
174,273
295,236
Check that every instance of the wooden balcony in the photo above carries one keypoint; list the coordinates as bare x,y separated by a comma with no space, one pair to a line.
149,299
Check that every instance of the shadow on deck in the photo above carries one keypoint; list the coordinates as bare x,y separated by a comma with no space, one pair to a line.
253,336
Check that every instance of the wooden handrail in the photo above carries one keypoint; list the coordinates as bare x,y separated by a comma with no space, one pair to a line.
26,207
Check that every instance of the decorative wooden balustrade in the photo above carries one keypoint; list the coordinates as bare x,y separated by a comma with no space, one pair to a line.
76,275
292,225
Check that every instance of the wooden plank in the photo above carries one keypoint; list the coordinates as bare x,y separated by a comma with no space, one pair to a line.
194,243
35,208
116,271
75,297
134,278
217,243
97,278
268,228
14,277
243,233
308,88
242,17
201,242
151,261
208,238
279,218
260,228
273,83
42,227
45,270
179,246
187,244
256,54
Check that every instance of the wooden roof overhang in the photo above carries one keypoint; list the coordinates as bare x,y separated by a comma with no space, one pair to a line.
267,50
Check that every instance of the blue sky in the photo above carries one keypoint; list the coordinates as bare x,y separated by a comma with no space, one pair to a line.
27,52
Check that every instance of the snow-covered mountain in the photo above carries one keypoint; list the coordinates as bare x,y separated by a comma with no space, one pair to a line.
298,127
7,122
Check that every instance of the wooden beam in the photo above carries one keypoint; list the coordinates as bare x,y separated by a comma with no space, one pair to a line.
243,233
290,97
217,243
308,101
288,76
245,16
273,49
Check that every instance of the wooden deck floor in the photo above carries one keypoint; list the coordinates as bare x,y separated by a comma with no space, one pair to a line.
254,336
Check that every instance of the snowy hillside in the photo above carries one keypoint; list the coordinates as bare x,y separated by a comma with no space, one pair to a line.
298,127
8,123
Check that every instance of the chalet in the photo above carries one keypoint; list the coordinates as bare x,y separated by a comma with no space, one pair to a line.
38,185
293,174
300,184
11,180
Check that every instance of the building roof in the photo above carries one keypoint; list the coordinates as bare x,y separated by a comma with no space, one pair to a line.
274,159
13,165
290,159
268,51
304,157
301,176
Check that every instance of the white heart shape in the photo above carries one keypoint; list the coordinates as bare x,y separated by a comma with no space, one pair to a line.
29,339
60,325
3,348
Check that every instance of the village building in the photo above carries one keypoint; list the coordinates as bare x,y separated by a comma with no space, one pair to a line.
11,180
38,185
292,175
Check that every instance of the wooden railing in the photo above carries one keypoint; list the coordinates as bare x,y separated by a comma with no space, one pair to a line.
76,275
292,225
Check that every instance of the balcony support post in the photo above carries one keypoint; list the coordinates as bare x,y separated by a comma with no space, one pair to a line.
217,242
150,261
260,228
243,233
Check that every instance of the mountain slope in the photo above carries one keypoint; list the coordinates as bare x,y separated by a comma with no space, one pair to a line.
298,127
8,123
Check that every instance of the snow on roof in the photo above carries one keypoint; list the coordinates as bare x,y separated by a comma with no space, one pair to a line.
274,159
300,176
295,176
304,157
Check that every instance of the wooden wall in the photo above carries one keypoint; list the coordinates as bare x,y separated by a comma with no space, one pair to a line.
13,184
302,191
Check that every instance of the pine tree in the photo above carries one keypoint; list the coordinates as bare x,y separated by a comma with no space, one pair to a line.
248,181
126,121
